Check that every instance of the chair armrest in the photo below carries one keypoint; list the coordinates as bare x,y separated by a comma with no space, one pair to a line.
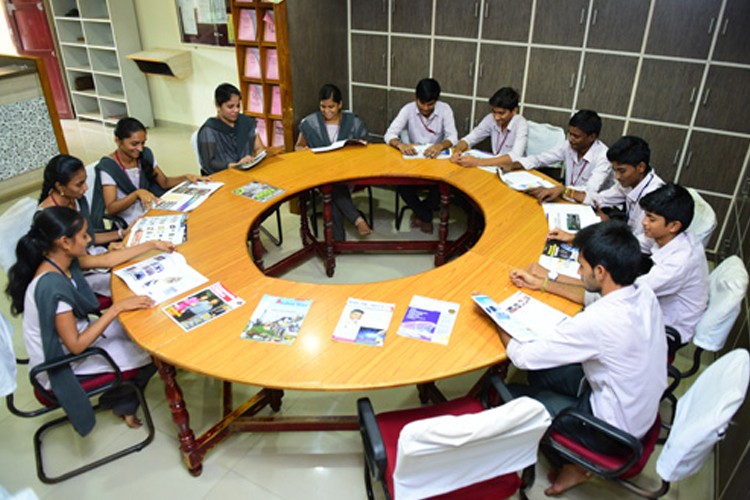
494,381
601,427
372,439
115,221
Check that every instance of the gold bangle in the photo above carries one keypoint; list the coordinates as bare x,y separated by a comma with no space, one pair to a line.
544,285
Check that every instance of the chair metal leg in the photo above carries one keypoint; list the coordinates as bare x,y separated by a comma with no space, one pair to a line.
276,240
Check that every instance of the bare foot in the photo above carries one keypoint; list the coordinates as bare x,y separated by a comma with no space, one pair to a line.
132,421
416,221
362,227
570,475
426,227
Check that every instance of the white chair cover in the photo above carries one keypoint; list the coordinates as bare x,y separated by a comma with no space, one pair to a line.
14,223
704,219
444,453
7,358
703,415
90,179
727,286
542,137
194,145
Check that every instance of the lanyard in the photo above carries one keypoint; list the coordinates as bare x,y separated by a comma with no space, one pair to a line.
629,204
580,173
421,120
57,267
119,162
502,143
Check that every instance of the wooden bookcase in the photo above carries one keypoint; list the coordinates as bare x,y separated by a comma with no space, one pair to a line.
256,42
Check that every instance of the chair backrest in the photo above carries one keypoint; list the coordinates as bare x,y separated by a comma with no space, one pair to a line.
7,358
445,453
703,415
704,218
727,286
543,136
90,179
194,145
14,223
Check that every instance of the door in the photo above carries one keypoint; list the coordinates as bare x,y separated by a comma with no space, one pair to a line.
32,35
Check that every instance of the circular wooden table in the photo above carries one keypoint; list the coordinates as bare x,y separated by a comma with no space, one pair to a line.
514,235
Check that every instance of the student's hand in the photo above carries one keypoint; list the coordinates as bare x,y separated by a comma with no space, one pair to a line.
510,167
245,159
197,178
407,149
147,198
600,212
133,304
433,151
524,279
467,161
116,245
536,269
163,246
546,195
560,235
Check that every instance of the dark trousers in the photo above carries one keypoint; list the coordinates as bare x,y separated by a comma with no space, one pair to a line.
123,400
423,209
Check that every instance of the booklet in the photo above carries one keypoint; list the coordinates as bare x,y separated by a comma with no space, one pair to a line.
429,319
560,257
340,144
171,228
521,180
521,316
364,322
277,320
187,196
161,277
444,154
202,306
258,191
569,217
247,166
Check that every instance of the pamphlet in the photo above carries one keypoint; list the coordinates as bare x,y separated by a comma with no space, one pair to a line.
339,144
520,180
364,322
560,257
521,316
171,228
257,159
277,320
429,319
202,307
161,277
443,155
187,196
569,217
258,191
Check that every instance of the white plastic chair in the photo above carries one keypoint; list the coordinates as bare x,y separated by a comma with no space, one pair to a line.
194,145
8,369
543,137
90,179
704,219
14,223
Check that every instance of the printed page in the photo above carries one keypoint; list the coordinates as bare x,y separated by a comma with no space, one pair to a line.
171,228
339,144
203,306
364,322
276,320
161,277
560,257
521,316
444,154
429,319
520,180
258,191
569,217
187,196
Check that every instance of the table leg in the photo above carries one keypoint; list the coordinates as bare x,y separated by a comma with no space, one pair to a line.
429,393
274,398
192,456
328,232
256,246
445,198
304,229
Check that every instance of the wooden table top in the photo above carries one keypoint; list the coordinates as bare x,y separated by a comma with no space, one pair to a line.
514,236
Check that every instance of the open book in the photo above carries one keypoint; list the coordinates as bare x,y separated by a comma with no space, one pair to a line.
364,322
247,166
521,316
443,155
340,144
520,180
560,257
569,217
161,277
187,196
171,228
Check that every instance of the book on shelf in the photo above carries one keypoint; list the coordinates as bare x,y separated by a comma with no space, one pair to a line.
272,64
260,129
429,319
255,98
364,322
171,228
276,320
276,100
258,191
256,159
248,31
161,277
269,33
252,62
339,144
187,196
202,306
521,316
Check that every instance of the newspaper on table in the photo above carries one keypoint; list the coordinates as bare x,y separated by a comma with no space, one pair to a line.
257,159
521,316
187,196
258,191
161,277
421,148
429,319
202,306
171,228
276,320
364,322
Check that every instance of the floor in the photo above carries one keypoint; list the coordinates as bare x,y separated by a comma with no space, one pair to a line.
275,466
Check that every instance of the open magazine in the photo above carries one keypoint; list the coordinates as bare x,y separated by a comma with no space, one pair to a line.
569,217
429,319
364,322
421,148
560,257
258,191
171,228
187,196
161,277
339,144
521,316
257,159
521,180
277,320
202,306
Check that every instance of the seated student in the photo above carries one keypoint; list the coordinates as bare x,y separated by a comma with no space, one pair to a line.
617,345
508,131
428,121
129,181
322,128
47,286
634,177
229,139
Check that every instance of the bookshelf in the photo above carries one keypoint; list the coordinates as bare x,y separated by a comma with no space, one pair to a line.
262,48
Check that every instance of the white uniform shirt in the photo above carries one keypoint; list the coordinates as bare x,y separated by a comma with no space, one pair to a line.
592,173
436,128
679,278
620,342
512,141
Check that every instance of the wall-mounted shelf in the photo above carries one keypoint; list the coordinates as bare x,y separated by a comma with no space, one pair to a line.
164,62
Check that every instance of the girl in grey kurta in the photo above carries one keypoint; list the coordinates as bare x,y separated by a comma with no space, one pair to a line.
322,128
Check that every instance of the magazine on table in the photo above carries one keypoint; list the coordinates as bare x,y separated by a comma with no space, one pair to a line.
364,322
560,257
161,277
521,180
277,320
429,319
521,316
569,217
339,144
256,159
421,148
258,191
203,306
171,228
187,196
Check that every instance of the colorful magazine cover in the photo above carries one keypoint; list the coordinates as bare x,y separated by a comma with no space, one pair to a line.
364,322
277,320
258,191
429,319
172,228
202,306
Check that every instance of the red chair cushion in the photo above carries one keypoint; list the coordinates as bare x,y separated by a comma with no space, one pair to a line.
613,462
391,423
89,384
104,302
